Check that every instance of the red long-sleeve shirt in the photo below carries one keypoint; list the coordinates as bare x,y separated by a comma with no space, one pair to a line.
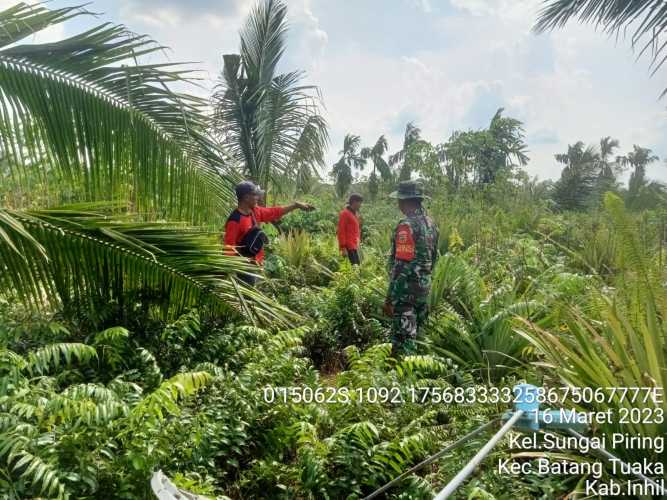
349,230
239,224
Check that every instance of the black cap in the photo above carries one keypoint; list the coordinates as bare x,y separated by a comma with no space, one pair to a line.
247,187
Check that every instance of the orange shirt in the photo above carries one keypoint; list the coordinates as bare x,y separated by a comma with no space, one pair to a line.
349,230
239,224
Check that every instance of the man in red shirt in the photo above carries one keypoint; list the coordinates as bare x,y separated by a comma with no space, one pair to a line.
249,214
349,229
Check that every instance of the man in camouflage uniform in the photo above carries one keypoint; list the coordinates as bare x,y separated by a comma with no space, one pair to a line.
414,248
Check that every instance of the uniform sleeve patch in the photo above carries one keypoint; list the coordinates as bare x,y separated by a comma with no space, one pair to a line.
405,242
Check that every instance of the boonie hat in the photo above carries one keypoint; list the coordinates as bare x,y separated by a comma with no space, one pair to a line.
409,190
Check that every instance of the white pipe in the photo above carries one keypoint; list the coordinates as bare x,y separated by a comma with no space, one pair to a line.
431,459
481,454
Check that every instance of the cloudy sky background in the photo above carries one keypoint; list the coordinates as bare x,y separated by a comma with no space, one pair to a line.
444,64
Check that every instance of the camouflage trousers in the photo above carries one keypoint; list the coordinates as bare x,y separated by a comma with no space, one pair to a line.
407,321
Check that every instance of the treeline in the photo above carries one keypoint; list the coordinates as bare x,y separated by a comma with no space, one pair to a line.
592,170
497,154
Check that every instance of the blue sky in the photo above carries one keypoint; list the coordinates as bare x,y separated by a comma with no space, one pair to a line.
444,64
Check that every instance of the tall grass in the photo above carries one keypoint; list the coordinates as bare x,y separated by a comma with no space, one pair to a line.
296,247
472,323
621,341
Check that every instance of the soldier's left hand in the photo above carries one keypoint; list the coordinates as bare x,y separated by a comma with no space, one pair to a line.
388,309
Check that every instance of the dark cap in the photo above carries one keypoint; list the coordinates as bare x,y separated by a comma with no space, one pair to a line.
247,187
409,190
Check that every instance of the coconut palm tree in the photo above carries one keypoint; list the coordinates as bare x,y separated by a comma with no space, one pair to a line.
645,19
607,148
459,156
375,154
607,169
504,148
484,154
641,192
349,159
123,150
575,186
69,105
269,122
399,159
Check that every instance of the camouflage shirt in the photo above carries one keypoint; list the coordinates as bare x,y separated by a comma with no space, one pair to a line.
414,249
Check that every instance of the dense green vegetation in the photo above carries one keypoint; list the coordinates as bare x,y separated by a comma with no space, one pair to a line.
127,345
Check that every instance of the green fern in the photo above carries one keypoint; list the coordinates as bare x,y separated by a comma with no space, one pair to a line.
116,336
288,339
374,357
152,375
402,453
362,435
93,392
56,355
421,366
41,474
85,411
9,360
163,401
111,345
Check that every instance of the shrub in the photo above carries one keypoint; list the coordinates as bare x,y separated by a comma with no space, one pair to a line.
346,314
620,341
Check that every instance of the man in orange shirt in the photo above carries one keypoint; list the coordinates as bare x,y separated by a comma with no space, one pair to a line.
349,229
245,219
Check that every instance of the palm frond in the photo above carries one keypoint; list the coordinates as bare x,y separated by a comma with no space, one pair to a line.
111,129
164,400
269,122
263,40
311,145
93,262
284,114
396,158
23,20
14,227
55,355
646,19
41,474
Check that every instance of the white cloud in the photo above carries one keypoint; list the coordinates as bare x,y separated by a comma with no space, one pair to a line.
198,35
205,33
504,9
423,5
6,4
576,84
309,47
570,85
385,90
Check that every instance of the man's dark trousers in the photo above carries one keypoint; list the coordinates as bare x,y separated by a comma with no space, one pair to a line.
353,255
